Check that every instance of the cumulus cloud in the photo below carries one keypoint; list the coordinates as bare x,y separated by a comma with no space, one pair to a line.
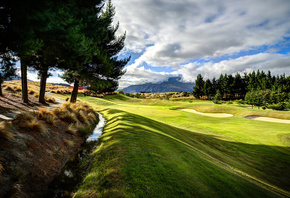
169,33
180,30
277,63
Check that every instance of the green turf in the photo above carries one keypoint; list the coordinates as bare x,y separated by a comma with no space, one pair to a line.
151,149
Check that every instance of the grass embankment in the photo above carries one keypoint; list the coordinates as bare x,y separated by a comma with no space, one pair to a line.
148,149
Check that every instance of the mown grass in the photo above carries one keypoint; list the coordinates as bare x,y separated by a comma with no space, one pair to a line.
150,149
140,157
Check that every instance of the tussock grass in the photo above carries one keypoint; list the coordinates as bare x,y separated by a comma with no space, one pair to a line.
69,143
24,116
32,92
80,116
68,116
72,129
92,117
9,88
34,125
5,130
17,88
50,99
47,115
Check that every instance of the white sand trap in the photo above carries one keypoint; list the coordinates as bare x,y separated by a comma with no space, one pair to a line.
218,115
268,119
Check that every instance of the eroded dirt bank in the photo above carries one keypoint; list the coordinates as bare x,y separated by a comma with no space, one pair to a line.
34,146
33,159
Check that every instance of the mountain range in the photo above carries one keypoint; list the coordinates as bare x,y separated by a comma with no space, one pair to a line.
172,85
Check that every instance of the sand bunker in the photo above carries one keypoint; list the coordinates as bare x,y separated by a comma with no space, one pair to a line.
267,119
218,115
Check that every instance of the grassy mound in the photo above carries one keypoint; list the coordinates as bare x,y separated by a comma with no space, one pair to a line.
149,150
140,157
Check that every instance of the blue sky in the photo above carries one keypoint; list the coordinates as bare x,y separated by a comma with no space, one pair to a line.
209,37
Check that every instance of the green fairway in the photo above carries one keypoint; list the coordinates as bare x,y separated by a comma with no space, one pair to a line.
151,149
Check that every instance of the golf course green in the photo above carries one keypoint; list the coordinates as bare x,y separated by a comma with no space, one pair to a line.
149,148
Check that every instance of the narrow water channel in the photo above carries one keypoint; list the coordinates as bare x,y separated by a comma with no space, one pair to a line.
73,172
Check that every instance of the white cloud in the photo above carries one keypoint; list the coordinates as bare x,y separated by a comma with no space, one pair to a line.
169,33
278,64
200,28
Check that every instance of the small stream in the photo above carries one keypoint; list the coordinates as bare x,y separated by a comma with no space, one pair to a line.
73,172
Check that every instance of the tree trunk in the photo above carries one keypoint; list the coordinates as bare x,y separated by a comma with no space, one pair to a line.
1,94
43,77
74,93
24,82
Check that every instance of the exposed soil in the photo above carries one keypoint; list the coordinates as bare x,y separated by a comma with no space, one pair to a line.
33,159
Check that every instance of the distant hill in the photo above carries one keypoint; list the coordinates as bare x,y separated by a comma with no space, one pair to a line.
172,85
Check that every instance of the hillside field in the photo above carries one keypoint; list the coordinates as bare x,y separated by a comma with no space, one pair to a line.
149,148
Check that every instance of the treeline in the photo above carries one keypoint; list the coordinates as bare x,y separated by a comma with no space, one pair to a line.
237,86
75,36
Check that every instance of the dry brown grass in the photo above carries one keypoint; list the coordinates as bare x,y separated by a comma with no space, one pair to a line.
92,117
66,116
23,116
69,143
72,129
32,92
5,130
50,99
9,88
47,115
33,87
34,125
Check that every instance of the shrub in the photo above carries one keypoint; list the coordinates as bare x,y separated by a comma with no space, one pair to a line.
85,130
5,131
240,101
217,98
229,102
121,92
279,106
